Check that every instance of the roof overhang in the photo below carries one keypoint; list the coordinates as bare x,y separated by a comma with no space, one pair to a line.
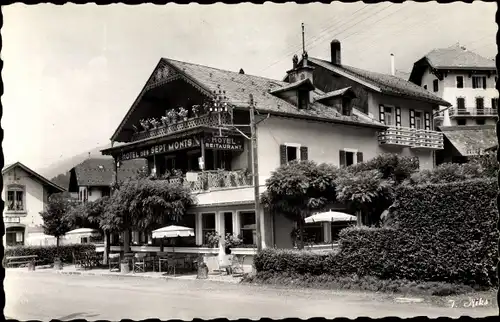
35,174
304,84
345,92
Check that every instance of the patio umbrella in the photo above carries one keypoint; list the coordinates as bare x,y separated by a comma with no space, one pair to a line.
173,232
330,216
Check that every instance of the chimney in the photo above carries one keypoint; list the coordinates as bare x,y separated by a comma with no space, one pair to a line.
393,68
335,52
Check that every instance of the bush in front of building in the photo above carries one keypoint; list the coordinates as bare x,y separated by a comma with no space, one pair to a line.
440,233
46,254
390,165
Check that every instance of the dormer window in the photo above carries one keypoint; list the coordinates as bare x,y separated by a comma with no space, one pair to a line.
303,99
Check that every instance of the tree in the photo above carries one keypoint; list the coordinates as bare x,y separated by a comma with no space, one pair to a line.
365,193
145,204
55,220
298,188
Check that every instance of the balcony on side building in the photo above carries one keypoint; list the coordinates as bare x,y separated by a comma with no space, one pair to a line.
413,138
473,111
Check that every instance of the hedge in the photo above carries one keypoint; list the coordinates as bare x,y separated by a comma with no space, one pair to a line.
46,254
442,233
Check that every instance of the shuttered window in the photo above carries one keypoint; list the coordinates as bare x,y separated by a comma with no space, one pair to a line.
359,157
427,120
282,154
342,158
398,116
304,153
381,114
412,119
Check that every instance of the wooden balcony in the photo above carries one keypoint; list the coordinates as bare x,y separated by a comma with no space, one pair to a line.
473,111
428,139
413,138
208,120
397,136
214,180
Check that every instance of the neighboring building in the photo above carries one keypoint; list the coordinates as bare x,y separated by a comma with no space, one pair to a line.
210,150
93,178
467,80
26,194
462,142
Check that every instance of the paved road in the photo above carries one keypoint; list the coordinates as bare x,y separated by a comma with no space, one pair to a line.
45,296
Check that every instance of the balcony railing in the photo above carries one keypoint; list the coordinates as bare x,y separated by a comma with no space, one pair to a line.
210,120
214,180
473,111
413,138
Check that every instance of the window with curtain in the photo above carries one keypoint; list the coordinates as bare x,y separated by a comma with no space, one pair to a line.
207,225
15,198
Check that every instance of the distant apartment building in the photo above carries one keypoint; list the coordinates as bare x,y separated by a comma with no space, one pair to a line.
467,80
26,194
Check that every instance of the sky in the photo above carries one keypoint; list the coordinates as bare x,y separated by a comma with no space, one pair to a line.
72,72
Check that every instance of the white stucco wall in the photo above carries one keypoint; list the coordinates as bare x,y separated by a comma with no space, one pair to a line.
34,196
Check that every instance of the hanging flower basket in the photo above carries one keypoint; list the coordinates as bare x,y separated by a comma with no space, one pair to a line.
182,113
196,110
145,124
172,115
165,120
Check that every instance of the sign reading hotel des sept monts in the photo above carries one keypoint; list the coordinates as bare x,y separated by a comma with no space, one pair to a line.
229,143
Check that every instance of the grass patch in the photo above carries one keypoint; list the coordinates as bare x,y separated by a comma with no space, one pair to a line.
365,283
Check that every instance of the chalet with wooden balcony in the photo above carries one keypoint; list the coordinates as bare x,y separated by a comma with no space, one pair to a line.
191,123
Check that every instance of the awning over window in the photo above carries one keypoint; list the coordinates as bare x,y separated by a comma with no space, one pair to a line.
471,140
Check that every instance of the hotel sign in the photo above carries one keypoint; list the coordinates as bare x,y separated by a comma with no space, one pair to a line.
162,148
230,143
12,220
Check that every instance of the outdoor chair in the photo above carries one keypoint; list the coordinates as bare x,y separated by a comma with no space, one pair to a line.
114,261
171,264
139,262
225,265
237,264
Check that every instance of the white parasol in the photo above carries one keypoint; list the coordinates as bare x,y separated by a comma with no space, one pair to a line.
172,232
330,216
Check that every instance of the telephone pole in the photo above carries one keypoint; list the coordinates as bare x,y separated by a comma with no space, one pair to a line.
255,172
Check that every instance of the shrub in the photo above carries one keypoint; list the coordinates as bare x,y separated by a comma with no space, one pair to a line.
440,233
449,172
391,166
46,254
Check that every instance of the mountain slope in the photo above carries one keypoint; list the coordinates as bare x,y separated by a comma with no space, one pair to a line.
63,166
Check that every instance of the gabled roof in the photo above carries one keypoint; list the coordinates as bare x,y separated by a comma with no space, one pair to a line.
470,140
457,57
100,172
237,88
383,83
41,178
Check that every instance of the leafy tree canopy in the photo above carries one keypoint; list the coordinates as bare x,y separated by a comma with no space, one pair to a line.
297,188
55,222
390,165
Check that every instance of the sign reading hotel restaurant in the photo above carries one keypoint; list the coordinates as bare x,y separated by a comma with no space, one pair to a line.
231,143
14,220
162,148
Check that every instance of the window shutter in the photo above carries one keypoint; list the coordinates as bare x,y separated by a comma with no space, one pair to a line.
381,114
398,116
412,119
427,120
303,153
484,82
359,156
342,158
282,154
